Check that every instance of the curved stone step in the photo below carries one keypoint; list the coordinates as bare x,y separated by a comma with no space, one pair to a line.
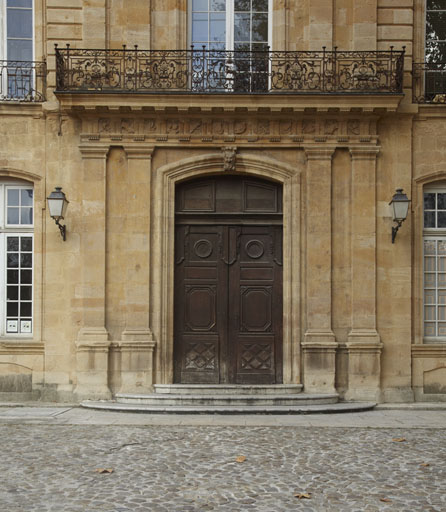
169,399
340,407
228,389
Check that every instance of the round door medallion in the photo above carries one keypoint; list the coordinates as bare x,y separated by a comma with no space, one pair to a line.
203,248
254,249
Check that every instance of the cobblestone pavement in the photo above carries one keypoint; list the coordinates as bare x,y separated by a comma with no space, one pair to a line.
48,467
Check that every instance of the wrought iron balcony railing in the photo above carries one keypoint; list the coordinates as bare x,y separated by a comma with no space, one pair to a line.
218,71
22,81
429,82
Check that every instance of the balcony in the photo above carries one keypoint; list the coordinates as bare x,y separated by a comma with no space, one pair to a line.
22,81
228,72
228,81
429,82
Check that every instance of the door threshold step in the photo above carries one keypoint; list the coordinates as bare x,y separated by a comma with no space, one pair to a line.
340,407
223,389
169,399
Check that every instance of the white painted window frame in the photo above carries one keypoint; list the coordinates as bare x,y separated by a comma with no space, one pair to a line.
13,230
230,24
432,234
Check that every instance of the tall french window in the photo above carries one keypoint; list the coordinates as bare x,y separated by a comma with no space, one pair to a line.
434,242
16,262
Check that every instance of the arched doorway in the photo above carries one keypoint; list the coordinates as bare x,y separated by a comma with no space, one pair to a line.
228,281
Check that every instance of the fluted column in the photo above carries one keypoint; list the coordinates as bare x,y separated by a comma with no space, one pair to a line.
137,344
364,346
319,345
93,343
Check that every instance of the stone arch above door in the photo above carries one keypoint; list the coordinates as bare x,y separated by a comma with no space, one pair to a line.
165,179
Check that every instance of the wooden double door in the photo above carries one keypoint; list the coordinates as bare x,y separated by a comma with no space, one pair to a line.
228,297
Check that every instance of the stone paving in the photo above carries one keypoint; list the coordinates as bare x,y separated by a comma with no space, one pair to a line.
168,468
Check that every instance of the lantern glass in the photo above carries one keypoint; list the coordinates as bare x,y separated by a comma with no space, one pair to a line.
57,204
400,209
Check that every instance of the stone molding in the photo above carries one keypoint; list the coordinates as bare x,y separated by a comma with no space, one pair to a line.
139,151
91,151
319,153
429,350
19,347
364,153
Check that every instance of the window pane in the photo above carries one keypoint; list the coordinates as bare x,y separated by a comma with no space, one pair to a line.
20,49
241,27
429,201
12,293
436,4
12,260
430,281
199,27
442,247
13,276
442,264
19,23
441,296
441,219
429,329
429,297
429,219
429,264
20,3
441,313
25,277
13,216
441,280
217,27
26,215
260,27
12,243
436,25
260,5
13,197
12,308
429,313
12,325
442,329
242,5
25,309
441,201
26,197
200,5
430,246
218,5
26,243
26,260
25,293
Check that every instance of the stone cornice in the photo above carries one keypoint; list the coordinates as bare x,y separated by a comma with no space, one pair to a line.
429,350
81,103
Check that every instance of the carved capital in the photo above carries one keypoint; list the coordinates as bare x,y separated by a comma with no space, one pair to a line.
90,151
318,153
364,153
139,151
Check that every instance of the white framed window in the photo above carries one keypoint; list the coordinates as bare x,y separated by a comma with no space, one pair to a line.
16,259
434,266
231,24
16,48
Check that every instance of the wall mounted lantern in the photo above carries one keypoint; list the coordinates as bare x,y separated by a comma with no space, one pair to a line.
57,205
400,207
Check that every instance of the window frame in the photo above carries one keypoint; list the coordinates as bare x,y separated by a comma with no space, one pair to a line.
229,44
19,231
431,234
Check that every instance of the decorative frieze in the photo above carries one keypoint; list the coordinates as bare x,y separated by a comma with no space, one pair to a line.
260,129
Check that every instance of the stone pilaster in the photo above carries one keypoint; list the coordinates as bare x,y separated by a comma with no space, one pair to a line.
319,345
137,344
92,344
363,345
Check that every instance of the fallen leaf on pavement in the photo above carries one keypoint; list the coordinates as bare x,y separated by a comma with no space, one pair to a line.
425,465
104,470
399,439
301,495
385,500
240,458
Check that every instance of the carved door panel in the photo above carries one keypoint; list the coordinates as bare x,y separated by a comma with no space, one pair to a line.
255,305
200,304
228,304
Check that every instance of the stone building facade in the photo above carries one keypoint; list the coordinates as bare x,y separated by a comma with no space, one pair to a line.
228,216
